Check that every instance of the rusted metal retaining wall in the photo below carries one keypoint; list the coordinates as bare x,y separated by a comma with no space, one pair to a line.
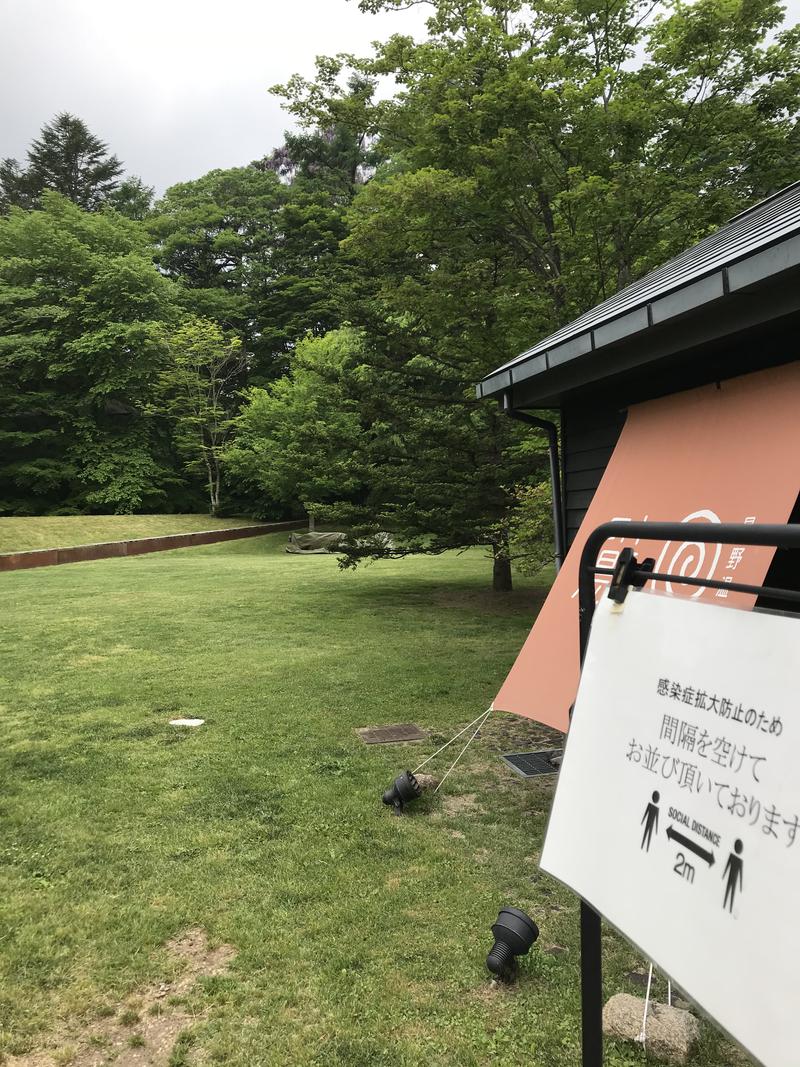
49,557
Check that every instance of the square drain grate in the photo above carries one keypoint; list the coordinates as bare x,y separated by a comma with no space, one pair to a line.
384,735
531,764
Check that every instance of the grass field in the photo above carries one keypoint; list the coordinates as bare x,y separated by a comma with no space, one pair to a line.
60,531
359,938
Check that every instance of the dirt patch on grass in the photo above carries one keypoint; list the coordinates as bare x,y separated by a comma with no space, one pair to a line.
465,804
494,994
201,961
144,1029
511,733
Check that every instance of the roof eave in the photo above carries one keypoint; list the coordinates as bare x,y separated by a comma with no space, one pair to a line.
753,271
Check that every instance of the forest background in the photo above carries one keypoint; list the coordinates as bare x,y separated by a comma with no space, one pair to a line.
304,333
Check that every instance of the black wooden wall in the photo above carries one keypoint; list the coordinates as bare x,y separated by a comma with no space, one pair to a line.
588,437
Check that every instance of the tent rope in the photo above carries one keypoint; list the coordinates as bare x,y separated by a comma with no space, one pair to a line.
483,715
643,1032
483,719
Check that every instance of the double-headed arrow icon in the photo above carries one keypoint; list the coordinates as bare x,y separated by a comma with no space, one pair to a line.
704,854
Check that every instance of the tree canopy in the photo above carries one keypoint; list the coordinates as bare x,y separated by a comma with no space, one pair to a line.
255,253
536,160
199,384
66,158
81,323
297,441
351,286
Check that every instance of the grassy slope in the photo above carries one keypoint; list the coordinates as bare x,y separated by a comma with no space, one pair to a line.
59,531
361,937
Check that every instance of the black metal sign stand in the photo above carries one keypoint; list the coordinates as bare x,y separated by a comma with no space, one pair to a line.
630,572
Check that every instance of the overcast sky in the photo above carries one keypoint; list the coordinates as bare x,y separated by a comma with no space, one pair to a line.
175,87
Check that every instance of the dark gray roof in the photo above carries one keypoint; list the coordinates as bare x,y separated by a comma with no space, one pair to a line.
756,244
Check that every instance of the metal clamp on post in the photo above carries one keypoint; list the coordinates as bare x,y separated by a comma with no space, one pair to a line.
628,572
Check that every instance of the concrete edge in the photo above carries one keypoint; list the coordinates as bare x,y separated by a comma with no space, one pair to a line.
50,557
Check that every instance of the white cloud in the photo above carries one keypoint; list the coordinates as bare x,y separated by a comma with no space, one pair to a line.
176,87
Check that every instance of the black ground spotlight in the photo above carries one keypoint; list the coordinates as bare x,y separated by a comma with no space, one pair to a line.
514,933
404,788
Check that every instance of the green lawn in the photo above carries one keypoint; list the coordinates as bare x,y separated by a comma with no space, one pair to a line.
60,531
360,937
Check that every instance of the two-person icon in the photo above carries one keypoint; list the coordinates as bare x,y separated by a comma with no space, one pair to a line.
733,868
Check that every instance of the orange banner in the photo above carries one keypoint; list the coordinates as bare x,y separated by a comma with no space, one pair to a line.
722,453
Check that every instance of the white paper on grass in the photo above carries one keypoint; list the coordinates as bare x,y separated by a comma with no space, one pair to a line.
697,703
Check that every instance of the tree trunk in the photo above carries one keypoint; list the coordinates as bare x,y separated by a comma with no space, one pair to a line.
211,504
501,573
213,494
214,481
210,472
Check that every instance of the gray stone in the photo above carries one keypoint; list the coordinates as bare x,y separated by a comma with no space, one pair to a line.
671,1032
427,781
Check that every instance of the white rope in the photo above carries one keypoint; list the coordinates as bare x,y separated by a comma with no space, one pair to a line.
483,719
483,714
643,1032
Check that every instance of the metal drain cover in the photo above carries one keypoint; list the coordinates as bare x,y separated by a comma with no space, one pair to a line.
384,735
531,764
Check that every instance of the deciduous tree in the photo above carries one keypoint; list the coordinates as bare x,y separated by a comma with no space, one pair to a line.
81,322
301,442
199,387
538,158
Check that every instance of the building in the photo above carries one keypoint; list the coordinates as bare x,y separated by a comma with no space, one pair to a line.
678,399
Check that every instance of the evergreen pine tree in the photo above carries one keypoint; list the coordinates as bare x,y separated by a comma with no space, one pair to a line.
67,158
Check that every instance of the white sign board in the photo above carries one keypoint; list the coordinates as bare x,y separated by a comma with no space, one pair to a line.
677,808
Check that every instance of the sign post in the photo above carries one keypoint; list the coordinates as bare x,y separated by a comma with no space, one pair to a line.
678,803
